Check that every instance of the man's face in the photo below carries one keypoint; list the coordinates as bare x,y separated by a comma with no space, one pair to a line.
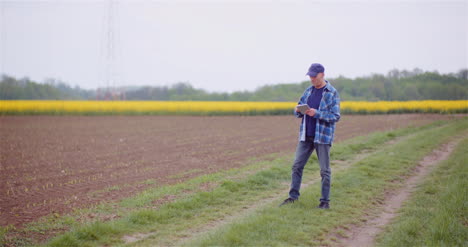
317,80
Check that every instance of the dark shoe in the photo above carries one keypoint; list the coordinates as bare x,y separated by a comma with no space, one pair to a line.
288,201
324,205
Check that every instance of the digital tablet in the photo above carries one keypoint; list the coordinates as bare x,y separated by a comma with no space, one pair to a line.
303,108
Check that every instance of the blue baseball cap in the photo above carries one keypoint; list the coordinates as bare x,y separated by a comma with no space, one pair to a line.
314,69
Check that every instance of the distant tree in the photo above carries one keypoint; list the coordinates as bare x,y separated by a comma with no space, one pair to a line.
463,74
395,85
393,74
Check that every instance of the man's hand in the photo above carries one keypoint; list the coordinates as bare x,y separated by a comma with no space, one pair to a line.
297,109
310,112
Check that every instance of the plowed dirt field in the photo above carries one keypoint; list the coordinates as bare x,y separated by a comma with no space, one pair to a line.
57,163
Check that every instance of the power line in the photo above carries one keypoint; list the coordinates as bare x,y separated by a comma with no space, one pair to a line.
111,37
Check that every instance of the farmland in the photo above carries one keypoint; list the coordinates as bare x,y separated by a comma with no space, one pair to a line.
56,164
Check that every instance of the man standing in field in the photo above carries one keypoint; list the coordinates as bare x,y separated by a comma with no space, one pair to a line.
316,132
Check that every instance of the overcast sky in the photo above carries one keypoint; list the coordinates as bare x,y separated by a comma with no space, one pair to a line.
227,45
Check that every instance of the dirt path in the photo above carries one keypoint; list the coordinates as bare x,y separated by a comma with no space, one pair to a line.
362,236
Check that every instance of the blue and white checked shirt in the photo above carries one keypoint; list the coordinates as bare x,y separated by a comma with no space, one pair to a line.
327,114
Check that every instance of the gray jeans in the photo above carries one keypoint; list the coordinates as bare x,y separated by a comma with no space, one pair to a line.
303,151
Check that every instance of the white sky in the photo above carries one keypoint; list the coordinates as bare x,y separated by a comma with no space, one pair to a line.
228,45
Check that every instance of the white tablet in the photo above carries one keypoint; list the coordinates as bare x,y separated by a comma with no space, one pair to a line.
303,108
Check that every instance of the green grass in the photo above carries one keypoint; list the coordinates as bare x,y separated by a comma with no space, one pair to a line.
353,192
437,213
3,231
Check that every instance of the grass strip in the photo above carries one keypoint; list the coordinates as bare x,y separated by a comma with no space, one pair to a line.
437,213
193,210
354,192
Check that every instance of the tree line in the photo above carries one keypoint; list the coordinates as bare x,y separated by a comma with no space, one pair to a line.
399,85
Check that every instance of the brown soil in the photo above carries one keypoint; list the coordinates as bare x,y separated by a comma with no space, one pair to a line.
363,236
54,164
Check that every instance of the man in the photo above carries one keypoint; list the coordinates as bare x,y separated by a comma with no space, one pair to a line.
316,132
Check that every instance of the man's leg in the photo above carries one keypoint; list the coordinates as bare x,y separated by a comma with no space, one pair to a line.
303,152
323,155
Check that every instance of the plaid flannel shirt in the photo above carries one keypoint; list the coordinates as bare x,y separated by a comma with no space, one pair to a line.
327,114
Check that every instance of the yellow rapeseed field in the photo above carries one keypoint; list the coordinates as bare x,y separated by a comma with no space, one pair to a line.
424,106
141,107
216,108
